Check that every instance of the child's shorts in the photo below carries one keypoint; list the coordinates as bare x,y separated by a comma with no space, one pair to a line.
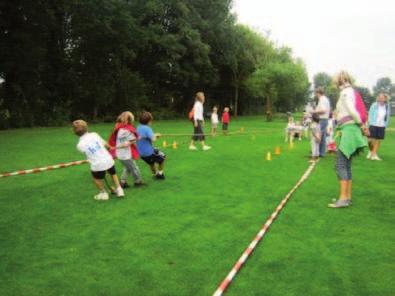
101,174
157,157
225,126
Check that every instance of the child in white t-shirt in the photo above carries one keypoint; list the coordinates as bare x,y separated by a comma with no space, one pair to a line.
94,147
214,121
315,137
124,138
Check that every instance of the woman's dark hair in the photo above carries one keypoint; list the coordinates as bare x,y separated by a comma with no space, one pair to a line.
145,117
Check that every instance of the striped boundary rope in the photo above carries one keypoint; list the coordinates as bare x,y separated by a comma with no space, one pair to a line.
246,254
43,169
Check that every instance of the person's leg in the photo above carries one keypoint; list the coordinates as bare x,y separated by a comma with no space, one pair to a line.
133,170
323,127
99,184
98,180
376,146
125,172
153,168
343,170
194,138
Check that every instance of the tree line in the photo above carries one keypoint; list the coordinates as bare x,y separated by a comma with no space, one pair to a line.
64,59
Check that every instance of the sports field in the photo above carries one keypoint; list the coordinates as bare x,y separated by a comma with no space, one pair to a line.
182,236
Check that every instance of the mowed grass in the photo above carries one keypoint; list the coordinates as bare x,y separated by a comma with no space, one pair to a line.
183,235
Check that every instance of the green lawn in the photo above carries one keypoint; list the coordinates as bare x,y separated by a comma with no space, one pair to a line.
183,235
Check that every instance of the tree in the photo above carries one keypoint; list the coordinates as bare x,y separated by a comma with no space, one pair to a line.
324,80
382,85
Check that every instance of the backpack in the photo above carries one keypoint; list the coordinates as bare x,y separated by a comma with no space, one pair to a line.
360,106
191,113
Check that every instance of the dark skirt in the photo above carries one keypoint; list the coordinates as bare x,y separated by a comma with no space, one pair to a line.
198,134
377,132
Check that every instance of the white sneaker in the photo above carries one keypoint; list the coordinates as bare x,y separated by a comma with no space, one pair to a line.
369,155
205,148
192,147
120,192
102,196
376,158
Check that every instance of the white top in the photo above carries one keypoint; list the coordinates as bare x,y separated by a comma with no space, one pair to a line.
324,106
381,113
346,105
198,111
214,118
94,148
124,136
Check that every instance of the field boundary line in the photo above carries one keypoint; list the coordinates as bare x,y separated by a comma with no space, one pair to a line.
251,247
43,169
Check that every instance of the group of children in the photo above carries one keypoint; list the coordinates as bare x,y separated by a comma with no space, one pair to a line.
311,128
127,144
225,121
316,136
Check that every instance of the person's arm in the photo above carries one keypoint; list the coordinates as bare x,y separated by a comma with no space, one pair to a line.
196,111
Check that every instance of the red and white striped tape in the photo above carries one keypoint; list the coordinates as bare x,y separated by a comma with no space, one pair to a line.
43,169
246,254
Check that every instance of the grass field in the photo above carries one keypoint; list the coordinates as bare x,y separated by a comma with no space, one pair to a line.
183,235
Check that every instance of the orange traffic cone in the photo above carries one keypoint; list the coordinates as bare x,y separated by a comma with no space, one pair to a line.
174,145
277,151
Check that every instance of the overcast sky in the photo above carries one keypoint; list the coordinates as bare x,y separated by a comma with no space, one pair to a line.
330,35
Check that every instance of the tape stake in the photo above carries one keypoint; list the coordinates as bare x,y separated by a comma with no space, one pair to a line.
262,232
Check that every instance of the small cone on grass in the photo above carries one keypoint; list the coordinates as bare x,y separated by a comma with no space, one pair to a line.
174,145
164,144
277,151
242,129
269,156
291,145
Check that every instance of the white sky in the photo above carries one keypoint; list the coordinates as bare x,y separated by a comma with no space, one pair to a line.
331,35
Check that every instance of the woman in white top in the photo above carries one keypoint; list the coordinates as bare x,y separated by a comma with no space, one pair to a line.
349,138
379,117
198,123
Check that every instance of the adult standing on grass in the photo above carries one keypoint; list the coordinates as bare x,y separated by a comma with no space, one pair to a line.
198,123
323,110
349,139
379,117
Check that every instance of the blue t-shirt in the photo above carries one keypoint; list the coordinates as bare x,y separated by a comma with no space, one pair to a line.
144,143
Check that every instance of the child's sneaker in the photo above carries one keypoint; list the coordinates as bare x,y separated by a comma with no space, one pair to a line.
340,204
375,157
125,185
101,196
120,192
192,147
139,184
369,155
205,148
160,176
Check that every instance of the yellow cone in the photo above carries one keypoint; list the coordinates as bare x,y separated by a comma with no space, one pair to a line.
174,145
164,144
269,156
277,151
242,129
